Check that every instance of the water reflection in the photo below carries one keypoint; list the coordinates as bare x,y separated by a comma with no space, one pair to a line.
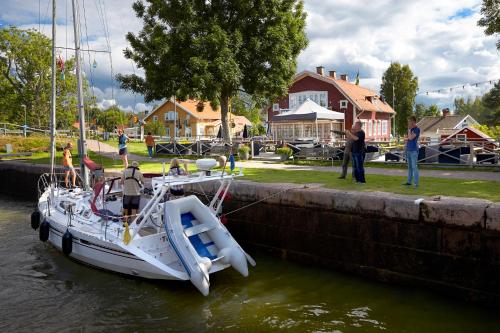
43,291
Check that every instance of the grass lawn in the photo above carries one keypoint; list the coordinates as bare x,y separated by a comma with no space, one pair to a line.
429,186
486,168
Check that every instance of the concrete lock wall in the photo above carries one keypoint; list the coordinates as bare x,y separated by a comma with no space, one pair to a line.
451,245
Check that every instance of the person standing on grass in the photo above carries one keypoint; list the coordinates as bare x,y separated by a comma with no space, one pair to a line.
150,143
357,135
122,147
68,166
347,158
411,142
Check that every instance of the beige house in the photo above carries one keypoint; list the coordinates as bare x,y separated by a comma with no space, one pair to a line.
193,119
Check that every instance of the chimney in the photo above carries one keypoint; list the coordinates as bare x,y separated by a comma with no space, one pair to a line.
344,77
446,112
320,70
332,74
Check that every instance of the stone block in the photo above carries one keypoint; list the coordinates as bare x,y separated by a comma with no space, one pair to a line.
419,236
464,212
401,207
493,217
461,242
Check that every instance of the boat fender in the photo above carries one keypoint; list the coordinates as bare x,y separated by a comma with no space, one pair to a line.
44,230
67,243
35,219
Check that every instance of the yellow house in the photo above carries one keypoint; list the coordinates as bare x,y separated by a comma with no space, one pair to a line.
193,119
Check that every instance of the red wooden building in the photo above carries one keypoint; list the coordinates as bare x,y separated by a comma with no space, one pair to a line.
338,94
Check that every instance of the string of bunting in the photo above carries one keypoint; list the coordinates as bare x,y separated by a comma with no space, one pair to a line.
462,86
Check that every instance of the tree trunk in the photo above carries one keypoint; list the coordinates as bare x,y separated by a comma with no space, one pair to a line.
224,106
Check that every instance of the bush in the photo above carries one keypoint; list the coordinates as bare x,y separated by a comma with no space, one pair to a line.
243,149
284,151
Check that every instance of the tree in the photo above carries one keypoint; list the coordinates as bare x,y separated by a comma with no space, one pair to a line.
112,117
400,80
155,127
492,131
209,50
432,111
490,11
491,101
420,111
25,80
473,107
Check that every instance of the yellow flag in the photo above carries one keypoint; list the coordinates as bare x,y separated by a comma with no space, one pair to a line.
126,235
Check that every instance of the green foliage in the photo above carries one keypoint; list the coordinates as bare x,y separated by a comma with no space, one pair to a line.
421,110
491,131
32,143
405,90
155,127
284,151
25,79
110,118
490,11
209,50
491,101
243,149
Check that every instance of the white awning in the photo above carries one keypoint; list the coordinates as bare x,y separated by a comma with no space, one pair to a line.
309,110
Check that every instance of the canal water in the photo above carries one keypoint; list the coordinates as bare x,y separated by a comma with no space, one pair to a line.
43,291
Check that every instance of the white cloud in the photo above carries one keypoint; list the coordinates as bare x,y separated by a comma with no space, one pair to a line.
442,48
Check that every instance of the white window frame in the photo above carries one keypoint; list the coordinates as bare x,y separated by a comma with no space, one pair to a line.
167,131
317,96
155,118
344,104
276,107
384,127
461,137
187,131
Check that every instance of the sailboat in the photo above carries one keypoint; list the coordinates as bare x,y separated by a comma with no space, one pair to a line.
171,238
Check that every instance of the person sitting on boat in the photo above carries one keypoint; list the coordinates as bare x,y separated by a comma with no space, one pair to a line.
68,166
132,180
176,170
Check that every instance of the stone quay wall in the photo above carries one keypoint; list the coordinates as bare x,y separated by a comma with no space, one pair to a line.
451,245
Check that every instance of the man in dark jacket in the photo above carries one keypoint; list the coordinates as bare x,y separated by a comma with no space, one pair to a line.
358,147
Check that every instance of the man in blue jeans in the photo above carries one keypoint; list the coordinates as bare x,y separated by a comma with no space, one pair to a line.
357,135
412,151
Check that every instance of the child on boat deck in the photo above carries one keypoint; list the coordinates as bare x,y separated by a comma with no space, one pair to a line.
68,166
176,170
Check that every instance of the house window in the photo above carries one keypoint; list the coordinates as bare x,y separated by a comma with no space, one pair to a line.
462,137
167,131
343,104
384,127
318,97
155,118
187,131
276,107
369,127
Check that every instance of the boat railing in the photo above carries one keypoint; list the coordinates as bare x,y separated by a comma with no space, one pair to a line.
57,179
152,207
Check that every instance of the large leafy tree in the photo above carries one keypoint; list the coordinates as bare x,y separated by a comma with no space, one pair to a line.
491,101
25,80
209,50
490,20
400,80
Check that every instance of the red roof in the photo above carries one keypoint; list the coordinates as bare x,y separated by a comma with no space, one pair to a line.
363,98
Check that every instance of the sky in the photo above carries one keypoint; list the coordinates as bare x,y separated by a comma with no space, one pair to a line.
440,40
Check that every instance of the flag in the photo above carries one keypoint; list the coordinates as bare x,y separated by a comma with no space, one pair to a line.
357,78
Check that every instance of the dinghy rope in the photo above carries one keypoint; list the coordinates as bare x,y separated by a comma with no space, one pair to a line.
268,197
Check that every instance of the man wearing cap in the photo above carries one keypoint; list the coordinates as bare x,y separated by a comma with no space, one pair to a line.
132,180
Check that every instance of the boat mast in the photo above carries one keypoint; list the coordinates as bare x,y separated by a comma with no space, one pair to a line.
82,151
53,98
